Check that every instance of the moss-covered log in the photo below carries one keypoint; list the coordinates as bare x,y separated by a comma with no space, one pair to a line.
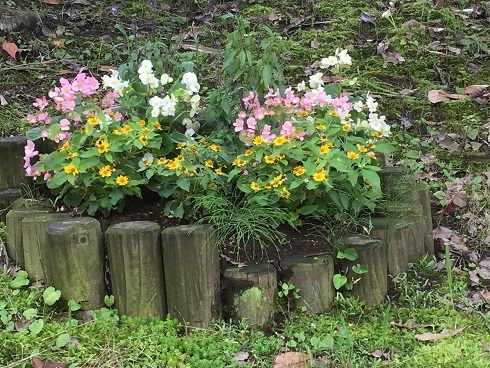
249,293
14,20
312,277
34,241
424,199
397,239
12,172
394,175
75,261
15,246
371,287
192,275
135,262
33,204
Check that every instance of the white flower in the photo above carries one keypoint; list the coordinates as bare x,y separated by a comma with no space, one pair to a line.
165,79
147,160
386,14
149,79
156,101
344,58
113,81
190,81
328,62
301,86
195,100
146,67
190,132
358,106
168,106
316,81
371,104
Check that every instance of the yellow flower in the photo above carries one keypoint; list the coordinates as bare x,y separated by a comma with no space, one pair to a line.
180,145
161,161
320,127
346,127
239,162
280,155
372,145
70,169
254,186
143,139
141,123
268,186
249,152
102,146
180,158
84,130
258,140
320,175
106,171
285,193
352,155
213,186
323,139
361,148
94,120
209,164
202,140
157,125
303,113
126,128
299,170
279,141
72,154
218,171
145,129
333,113
278,180
324,149
173,164
122,180
116,132
377,134
372,155
269,159
64,147
215,147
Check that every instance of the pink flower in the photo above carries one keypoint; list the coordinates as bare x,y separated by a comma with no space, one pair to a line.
64,124
31,119
30,149
251,123
287,128
41,103
238,125
242,115
266,133
259,113
42,116
47,176
44,134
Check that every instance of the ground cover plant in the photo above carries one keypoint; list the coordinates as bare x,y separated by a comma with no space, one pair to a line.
425,65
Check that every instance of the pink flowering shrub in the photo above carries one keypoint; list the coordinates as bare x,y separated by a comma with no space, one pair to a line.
312,152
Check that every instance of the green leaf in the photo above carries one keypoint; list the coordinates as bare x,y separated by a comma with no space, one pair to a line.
306,210
20,280
179,211
385,148
109,300
336,164
72,199
184,183
353,176
339,280
267,75
33,134
73,305
51,295
412,154
372,177
36,326
359,269
58,180
30,313
348,253
62,340
332,89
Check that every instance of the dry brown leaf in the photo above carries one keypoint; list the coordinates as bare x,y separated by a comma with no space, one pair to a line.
38,363
460,199
273,17
241,356
107,68
3,101
392,57
52,2
205,49
429,336
476,90
10,47
428,122
59,44
438,95
292,360
315,44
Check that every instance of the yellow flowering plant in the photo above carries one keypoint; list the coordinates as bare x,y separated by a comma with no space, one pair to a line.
313,147
110,137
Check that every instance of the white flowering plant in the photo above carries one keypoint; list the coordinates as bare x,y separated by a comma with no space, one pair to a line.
111,137
312,148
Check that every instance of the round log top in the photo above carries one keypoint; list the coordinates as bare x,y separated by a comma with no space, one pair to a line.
296,259
31,204
361,241
255,269
48,216
133,227
80,223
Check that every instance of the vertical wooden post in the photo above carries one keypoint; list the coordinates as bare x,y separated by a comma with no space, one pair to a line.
312,276
12,172
371,286
135,262
34,240
7,198
192,275
249,293
75,261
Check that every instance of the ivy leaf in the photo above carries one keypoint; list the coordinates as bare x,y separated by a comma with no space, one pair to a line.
62,340
33,134
51,295
36,326
339,280
184,184
20,280
359,269
348,253
73,305
30,313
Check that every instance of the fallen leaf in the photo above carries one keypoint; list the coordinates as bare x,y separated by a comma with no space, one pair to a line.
476,90
392,57
449,144
315,44
428,122
10,47
241,356
107,68
52,2
410,323
379,354
38,363
292,360
438,95
3,101
474,279
273,17
460,199
430,336
367,18
59,44
205,49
